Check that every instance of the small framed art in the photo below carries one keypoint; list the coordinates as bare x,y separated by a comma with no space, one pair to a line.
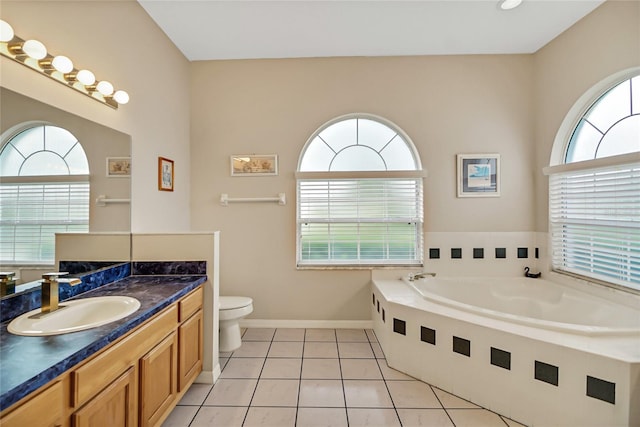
165,174
254,165
118,167
478,175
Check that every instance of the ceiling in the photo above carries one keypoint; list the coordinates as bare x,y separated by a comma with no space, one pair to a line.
243,29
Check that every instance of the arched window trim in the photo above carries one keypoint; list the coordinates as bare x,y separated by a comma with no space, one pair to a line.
72,187
581,240
352,180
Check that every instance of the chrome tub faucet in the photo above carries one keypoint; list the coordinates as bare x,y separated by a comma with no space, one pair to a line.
422,275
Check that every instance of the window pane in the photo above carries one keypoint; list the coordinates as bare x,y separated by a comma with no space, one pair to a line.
635,97
398,156
58,140
584,143
77,161
317,156
357,158
611,107
340,135
44,163
29,141
623,138
374,134
10,161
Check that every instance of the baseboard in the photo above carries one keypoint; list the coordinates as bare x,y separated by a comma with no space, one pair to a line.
315,324
208,377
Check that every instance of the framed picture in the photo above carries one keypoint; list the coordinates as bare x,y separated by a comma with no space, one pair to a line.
254,165
478,175
165,174
118,167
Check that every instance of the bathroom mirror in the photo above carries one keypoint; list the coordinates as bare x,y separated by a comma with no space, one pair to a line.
108,154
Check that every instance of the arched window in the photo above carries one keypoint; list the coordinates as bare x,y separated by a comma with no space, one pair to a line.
44,189
360,199
594,196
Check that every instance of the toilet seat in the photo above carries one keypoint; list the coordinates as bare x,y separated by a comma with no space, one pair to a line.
232,303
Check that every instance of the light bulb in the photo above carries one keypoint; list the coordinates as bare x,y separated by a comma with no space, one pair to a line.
509,4
34,49
86,77
105,88
6,31
62,64
121,97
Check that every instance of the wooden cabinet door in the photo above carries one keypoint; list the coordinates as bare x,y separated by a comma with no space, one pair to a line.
158,381
190,357
114,406
44,409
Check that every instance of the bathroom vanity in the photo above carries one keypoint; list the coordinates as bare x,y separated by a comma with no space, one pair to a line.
126,373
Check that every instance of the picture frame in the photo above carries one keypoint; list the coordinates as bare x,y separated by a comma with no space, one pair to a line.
254,164
478,175
118,167
165,174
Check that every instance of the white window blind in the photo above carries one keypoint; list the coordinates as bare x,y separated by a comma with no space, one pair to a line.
595,223
31,214
363,222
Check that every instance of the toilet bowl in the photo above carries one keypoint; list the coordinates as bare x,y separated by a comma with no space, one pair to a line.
232,309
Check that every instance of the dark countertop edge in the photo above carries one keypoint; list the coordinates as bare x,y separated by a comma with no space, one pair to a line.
12,396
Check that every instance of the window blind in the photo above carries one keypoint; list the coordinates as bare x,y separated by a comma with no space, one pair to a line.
31,214
360,222
595,223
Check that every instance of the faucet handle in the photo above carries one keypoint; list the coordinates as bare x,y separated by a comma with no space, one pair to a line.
6,275
55,276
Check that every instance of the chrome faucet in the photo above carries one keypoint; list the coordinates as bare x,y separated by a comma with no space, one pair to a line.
50,292
7,283
417,276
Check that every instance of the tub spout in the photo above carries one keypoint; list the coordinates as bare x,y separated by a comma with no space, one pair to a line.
422,275
531,275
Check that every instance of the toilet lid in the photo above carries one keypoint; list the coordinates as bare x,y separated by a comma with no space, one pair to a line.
230,303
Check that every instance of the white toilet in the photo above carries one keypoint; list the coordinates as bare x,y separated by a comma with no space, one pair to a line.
232,309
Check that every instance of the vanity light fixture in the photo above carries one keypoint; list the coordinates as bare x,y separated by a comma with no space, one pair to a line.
33,54
509,4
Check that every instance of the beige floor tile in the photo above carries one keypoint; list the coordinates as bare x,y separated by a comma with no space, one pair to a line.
475,418
320,335
351,335
270,417
355,350
326,369
366,394
391,374
196,394
361,417
289,334
321,393
276,393
424,417
281,368
320,349
252,349
219,416
241,367
322,417
412,394
258,334
181,416
231,392
450,401
360,369
377,350
286,349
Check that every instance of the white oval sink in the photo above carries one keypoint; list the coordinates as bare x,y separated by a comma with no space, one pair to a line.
75,316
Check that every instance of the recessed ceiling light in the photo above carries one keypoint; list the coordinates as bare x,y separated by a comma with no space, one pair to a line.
509,4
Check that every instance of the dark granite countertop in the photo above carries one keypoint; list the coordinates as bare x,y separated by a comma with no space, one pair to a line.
27,363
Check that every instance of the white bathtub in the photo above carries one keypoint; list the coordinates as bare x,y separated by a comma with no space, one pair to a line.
559,344
534,302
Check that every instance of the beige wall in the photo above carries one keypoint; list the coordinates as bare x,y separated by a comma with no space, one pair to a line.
605,42
446,104
119,42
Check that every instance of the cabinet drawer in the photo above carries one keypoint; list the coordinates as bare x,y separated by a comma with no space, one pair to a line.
45,409
190,304
96,374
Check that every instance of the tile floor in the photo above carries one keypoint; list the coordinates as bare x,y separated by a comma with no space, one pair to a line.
320,377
